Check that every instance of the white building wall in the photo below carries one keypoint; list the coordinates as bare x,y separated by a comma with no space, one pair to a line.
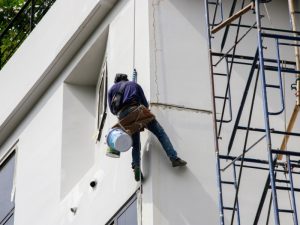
50,165
38,169
170,55
180,76
41,57
179,69
78,144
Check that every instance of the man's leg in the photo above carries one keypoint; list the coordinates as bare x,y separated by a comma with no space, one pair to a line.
163,138
136,156
136,150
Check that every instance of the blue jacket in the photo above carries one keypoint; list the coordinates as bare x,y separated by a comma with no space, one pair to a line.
132,92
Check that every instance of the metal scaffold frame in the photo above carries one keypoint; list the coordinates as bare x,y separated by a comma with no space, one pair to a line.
231,150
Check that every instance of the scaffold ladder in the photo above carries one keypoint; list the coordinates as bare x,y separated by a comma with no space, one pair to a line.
260,64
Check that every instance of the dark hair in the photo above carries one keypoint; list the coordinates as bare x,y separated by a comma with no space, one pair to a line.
120,77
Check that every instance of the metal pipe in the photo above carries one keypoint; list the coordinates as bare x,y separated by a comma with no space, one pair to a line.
250,58
237,158
241,107
245,143
227,27
237,201
295,217
266,114
280,80
272,131
266,28
220,197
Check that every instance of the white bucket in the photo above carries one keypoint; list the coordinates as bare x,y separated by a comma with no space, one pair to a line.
119,140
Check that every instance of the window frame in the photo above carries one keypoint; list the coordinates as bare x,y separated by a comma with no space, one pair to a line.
114,219
102,100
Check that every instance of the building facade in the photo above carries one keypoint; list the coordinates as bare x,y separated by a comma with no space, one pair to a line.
53,94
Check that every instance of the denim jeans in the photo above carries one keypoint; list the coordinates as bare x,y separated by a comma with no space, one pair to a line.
161,135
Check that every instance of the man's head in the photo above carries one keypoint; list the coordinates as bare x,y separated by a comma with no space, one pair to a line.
120,77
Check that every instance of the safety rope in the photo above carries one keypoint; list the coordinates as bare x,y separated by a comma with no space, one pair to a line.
268,15
134,79
133,44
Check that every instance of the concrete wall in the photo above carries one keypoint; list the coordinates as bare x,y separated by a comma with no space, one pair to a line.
179,77
50,175
57,38
77,142
167,46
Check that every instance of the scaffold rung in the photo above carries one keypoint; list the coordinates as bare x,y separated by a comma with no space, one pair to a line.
227,182
286,210
272,86
282,181
221,97
283,152
220,74
279,36
285,188
229,208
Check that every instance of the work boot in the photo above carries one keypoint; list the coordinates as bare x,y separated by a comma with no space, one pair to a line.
138,173
178,162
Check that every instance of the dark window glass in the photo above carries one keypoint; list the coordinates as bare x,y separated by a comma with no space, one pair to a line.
127,215
9,220
6,186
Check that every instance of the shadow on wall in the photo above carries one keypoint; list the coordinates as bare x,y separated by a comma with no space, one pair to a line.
178,195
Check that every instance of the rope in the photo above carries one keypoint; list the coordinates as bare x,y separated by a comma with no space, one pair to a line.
134,78
133,44
268,15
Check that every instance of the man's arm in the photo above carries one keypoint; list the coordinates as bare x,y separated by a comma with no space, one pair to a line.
109,99
142,97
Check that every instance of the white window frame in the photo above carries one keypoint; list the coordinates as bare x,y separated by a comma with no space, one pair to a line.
102,98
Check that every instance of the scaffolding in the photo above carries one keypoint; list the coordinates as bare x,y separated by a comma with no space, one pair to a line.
258,140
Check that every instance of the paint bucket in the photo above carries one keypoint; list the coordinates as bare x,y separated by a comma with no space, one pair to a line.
112,152
119,140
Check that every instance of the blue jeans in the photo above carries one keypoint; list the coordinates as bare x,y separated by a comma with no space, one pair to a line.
161,135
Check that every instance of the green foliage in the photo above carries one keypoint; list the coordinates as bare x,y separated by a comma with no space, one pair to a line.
21,26
8,9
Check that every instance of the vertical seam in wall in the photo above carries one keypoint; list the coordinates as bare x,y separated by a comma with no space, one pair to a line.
155,48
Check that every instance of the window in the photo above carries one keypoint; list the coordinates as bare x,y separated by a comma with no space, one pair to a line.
102,98
127,215
7,168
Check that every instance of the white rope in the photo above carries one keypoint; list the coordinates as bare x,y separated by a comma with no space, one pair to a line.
133,51
139,195
268,15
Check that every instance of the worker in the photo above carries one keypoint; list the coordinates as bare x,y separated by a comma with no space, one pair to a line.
134,115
